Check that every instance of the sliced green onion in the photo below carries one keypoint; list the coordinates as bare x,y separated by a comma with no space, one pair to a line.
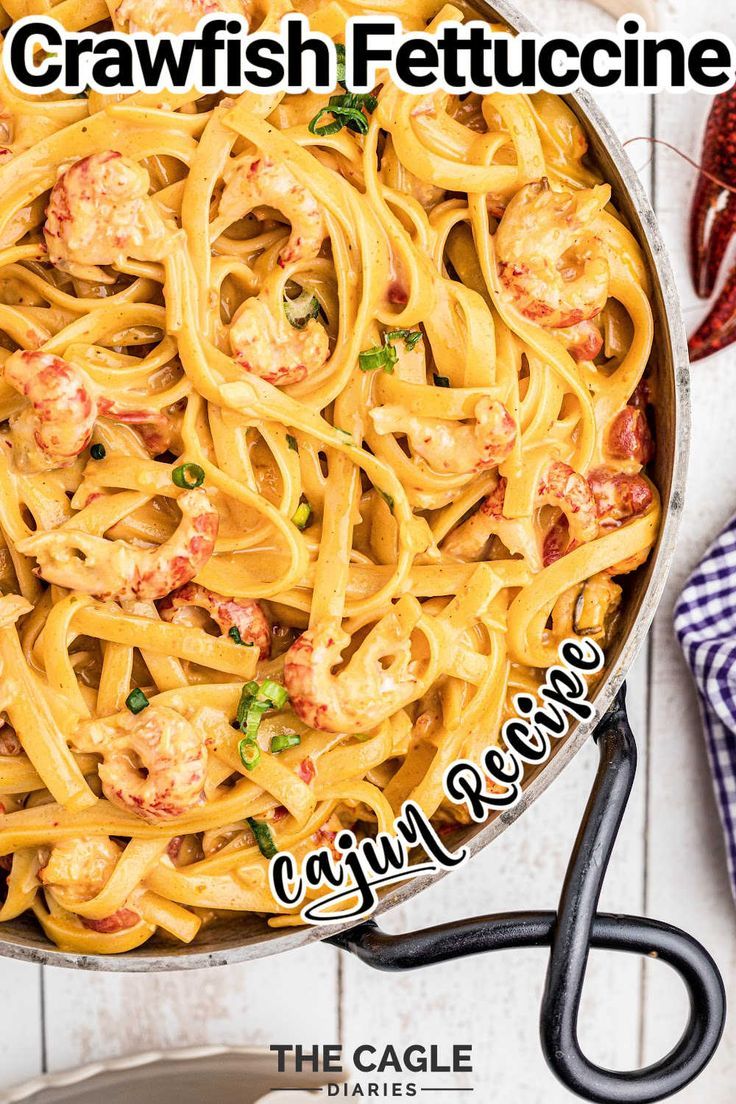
253,718
136,701
285,741
188,476
292,442
249,752
386,498
340,51
302,515
257,707
242,709
257,699
263,837
247,694
300,310
441,381
385,356
380,356
274,693
252,724
98,452
347,111
409,337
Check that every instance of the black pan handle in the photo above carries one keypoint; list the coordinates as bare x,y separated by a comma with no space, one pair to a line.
571,932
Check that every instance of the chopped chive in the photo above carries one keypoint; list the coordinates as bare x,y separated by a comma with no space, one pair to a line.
263,837
136,701
302,515
386,498
292,442
249,752
274,692
441,381
98,452
380,356
188,476
284,741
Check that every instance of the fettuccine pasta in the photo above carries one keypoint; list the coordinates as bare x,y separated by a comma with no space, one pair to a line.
322,425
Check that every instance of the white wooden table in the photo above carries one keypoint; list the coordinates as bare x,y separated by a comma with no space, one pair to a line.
669,862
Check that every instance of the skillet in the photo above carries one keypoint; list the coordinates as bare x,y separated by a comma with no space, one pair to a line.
575,926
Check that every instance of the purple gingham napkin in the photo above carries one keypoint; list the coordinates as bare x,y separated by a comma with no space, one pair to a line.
705,623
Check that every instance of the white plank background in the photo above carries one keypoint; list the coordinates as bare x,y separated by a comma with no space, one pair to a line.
669,862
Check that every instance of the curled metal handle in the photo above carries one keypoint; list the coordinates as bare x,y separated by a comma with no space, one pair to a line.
578,928
571,932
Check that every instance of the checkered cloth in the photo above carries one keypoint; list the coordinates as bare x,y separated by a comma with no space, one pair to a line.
705,623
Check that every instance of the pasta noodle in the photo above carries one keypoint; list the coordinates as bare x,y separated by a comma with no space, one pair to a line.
320,430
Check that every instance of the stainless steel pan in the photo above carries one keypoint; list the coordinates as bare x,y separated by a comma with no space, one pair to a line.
248,937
